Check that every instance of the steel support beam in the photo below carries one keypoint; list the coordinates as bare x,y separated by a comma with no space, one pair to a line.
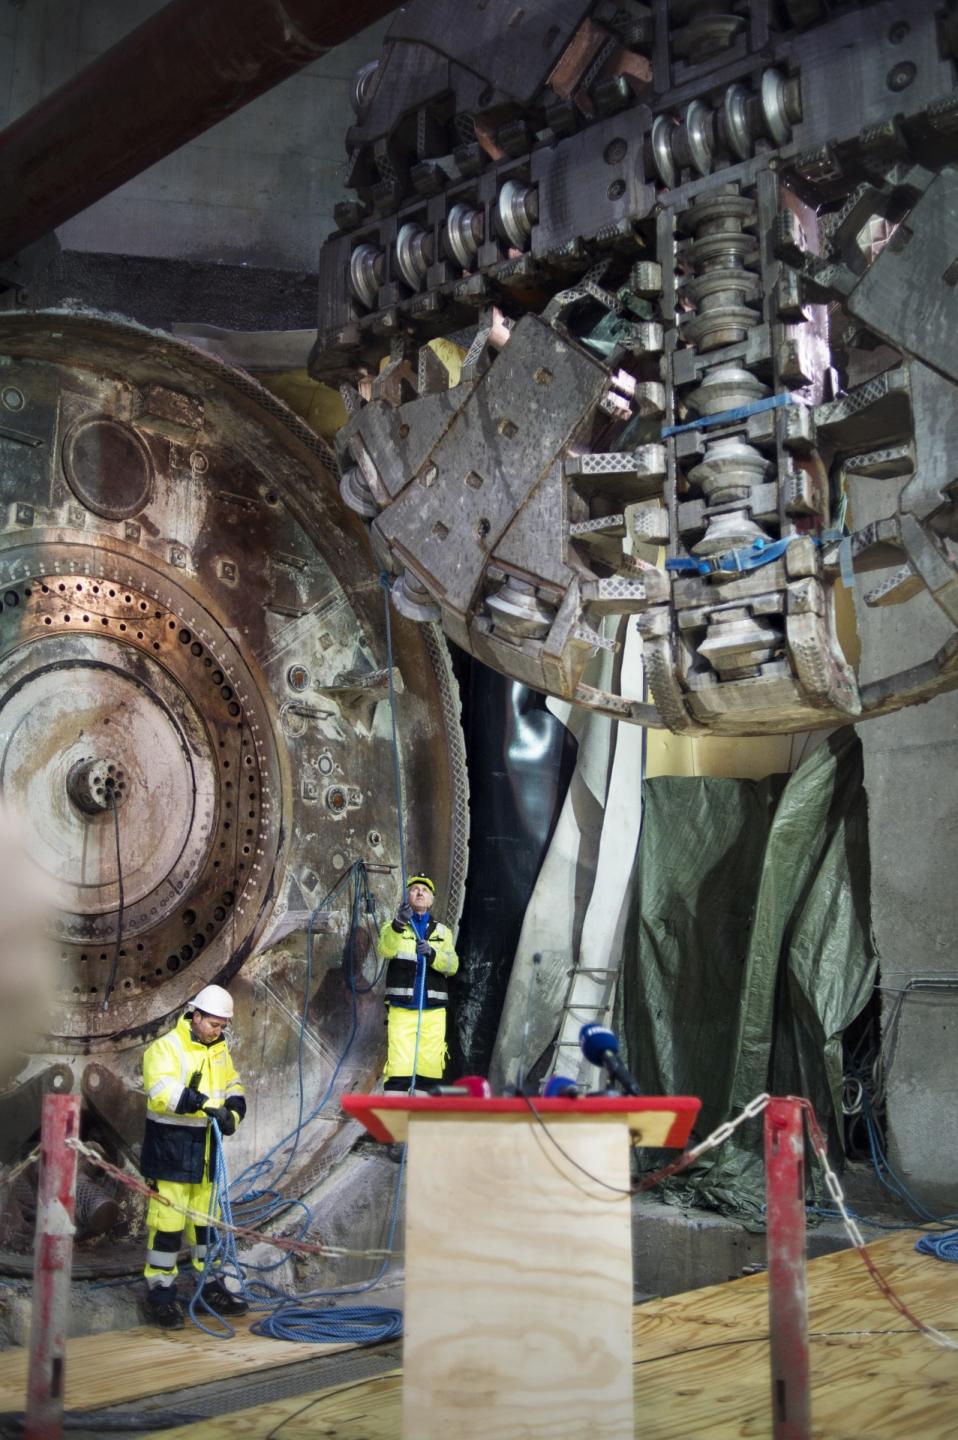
186,68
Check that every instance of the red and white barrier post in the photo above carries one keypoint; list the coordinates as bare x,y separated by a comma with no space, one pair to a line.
787,1289
52,1259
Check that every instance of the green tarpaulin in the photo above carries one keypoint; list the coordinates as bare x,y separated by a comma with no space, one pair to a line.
748,952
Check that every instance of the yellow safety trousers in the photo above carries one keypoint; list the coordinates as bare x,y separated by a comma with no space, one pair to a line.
169,1221
401,1028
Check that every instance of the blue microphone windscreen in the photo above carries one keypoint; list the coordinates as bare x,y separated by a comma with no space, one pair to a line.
558,1085
595,1040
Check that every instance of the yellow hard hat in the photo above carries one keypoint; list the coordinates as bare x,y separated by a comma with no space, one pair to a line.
420,880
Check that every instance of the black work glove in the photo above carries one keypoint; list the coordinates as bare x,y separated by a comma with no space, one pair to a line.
423,948
190,1100
404,913
224,1118
237,1103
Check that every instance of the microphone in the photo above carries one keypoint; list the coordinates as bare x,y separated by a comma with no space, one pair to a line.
600,1047
560,1087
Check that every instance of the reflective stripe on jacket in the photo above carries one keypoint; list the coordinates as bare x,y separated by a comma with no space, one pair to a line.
175,1145
397,944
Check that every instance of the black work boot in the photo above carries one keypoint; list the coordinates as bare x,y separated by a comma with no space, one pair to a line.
163,1308
222,1300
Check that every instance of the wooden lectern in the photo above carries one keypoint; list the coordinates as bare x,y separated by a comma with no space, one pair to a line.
518,1309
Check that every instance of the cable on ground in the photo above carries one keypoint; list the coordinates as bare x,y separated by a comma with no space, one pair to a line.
292,1317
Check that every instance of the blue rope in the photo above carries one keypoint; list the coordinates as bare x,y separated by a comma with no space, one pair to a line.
292,1317
397,772
942,1247
221,1254
400,810
357,1325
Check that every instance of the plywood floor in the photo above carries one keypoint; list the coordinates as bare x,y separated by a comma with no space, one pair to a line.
701,1365
107,1369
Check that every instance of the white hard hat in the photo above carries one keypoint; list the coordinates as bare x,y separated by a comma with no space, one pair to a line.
214,1000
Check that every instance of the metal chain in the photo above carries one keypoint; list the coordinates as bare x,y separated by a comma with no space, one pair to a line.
688,1157
719,1136
833,1186
201,1217
711,1142
8,1177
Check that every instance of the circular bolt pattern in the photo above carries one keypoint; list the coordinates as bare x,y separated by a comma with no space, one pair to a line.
616,190
115,693
615,151
12,397
94,785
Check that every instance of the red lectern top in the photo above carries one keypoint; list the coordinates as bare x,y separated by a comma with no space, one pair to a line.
662,1121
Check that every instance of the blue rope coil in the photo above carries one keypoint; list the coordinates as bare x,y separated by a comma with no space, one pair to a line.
356,1324
941,1247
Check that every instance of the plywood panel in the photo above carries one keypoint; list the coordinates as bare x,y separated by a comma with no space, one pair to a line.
128,1364
518,1281
701,1365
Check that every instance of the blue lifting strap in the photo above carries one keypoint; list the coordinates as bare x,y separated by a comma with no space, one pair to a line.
735,562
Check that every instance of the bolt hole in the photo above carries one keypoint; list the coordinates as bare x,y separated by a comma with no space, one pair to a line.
901,76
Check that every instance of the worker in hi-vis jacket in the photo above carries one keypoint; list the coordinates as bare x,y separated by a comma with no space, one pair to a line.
189,1078
421,955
